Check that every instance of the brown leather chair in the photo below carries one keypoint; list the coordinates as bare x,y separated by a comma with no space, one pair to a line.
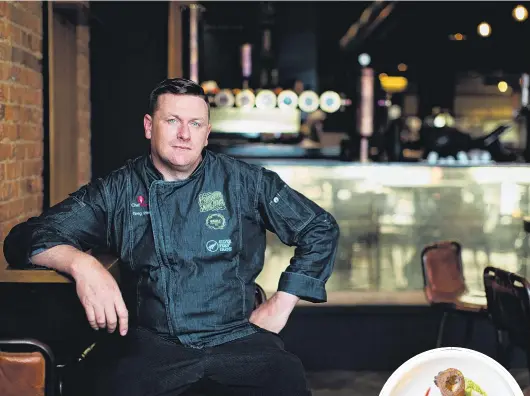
445,286
27,368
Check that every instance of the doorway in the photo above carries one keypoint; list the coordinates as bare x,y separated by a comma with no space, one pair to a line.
60,102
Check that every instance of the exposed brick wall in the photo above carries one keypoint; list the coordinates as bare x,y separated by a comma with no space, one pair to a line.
83,105
21,125
21,117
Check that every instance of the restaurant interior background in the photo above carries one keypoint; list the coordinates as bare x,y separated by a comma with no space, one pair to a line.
408,121
426,64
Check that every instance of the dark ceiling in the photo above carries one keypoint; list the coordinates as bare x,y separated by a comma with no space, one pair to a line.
417,33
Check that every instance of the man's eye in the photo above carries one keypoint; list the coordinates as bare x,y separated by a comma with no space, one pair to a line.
171,121
196,124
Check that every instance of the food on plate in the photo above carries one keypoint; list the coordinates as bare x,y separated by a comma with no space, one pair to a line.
451,382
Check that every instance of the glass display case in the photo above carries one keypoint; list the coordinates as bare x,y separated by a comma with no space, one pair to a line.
388,212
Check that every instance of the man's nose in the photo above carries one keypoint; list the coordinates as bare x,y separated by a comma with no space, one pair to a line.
184,132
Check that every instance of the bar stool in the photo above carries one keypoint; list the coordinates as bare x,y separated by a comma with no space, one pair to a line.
445,287
508,296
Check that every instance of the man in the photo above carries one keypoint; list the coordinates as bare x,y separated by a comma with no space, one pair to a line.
189,227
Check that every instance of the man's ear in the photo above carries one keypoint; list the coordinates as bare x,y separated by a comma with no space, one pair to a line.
148,125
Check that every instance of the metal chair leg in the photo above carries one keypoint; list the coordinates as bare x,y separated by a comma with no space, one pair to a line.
441,329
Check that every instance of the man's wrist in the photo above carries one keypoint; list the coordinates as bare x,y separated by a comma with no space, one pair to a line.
79,262
285,301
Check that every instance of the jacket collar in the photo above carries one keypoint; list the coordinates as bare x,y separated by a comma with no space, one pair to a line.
154,174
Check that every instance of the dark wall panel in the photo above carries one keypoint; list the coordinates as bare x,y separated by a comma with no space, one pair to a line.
128,53
296,43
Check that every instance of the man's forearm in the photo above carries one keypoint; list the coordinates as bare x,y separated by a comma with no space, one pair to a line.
62,258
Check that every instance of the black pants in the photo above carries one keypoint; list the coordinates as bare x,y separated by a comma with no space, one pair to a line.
144,364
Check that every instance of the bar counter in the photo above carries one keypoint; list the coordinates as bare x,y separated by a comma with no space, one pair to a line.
388,212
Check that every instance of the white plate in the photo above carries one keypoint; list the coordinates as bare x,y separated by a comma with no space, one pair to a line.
416,375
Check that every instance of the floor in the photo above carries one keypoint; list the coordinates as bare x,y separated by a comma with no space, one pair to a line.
348,383
342,383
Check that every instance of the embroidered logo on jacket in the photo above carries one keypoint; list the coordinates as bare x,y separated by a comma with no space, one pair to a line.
224,245
211,201
216,221
140,203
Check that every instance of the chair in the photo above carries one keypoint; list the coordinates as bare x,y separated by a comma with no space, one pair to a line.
508,297
27,368
260,296
445,286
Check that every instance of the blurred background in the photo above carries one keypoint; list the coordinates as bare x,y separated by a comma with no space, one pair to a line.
408,121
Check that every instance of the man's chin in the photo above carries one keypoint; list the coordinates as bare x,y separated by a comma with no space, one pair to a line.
182,162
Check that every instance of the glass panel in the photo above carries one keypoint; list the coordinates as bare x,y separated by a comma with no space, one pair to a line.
388,213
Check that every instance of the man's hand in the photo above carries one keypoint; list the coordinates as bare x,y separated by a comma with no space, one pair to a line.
100,296
98,291
273,314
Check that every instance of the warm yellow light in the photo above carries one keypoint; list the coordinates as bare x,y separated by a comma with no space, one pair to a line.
484,29
210,86
383,75
503,86
457,37
402,67
393,83
520,13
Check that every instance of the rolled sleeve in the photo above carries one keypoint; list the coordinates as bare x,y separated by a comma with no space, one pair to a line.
79,221
300,222
303,286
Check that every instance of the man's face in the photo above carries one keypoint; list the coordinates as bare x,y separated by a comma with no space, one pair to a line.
178,130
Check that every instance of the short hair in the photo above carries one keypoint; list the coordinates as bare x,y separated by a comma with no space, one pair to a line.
176,86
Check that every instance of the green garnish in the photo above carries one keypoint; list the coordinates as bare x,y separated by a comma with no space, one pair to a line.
472,386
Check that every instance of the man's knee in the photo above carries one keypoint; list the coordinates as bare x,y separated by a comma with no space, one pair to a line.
286,375
278,374
261,366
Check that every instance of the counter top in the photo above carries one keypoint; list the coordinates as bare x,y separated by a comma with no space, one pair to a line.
11,275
